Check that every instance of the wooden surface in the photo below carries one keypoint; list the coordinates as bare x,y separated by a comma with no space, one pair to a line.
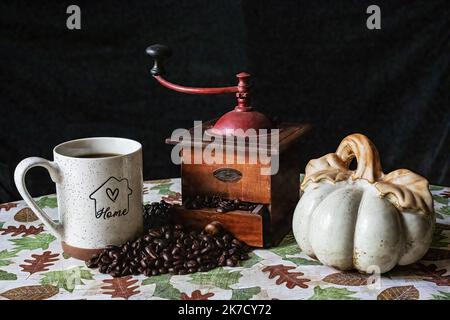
245,226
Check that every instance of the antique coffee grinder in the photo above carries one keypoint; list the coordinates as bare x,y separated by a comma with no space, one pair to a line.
252,133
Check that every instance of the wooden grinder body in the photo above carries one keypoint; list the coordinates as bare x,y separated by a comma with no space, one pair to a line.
277,194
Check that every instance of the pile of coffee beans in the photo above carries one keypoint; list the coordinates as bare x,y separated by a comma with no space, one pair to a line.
156,214
217,202
172,249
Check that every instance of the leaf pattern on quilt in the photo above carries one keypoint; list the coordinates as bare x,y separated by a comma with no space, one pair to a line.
347,278
22,229
253,259
441,295
245,293
440,238
441,199
67,279
25,215
197,295
433,274
442,212
299,261
247,281
173,198
40,241
420,271
47,202
5,257
332,293
163,188
7,206
399,293
163,288
123,287
40,262
35,292
288,246
291,279
218,277
434,254
5,275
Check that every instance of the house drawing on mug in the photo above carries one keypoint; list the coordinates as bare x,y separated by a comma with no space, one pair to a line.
112,198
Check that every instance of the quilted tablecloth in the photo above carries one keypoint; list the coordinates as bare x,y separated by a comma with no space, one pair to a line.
33,266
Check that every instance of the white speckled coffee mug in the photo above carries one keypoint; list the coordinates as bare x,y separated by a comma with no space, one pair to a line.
99,198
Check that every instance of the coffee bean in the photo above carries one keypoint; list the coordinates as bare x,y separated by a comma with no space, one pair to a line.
222,260
106,259
244,256
177,259
154,233
191,264
162,243
114,274
91,263
162,270
159,263
236,242
205,250
230,263
169,249
113,254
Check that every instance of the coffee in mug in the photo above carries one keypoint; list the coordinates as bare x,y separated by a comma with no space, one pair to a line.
99,193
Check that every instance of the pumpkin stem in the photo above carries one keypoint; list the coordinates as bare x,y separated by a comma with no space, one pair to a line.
360,147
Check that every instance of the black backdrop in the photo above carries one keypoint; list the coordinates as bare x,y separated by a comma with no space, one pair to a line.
312,61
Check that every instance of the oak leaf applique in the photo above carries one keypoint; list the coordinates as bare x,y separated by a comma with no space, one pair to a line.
22,229
122,287
196,295
8,206
291,279
40,262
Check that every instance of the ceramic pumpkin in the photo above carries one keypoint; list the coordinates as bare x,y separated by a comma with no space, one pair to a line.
362,218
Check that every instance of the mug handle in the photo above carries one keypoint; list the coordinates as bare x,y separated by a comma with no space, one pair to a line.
19,178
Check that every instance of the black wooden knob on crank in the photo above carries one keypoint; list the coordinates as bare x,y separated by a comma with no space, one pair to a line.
159,53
